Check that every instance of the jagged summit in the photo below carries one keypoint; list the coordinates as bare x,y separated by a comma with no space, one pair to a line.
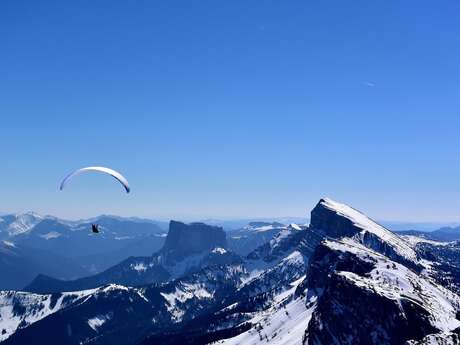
339,220
359,219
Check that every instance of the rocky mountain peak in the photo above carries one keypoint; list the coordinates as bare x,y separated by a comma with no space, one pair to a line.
334,219
337,220
188,239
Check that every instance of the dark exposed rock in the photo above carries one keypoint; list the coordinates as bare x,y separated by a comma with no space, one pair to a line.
330,223
187,239
447,262
349,314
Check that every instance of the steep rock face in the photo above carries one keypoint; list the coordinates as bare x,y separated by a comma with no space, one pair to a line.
364,298
336,220
187,239
329,221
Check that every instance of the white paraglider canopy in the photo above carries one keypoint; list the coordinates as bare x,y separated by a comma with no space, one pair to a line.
119,177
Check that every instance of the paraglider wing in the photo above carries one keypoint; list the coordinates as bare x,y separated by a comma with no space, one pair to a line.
116,175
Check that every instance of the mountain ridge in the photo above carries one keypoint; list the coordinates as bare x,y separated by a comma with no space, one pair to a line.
323,284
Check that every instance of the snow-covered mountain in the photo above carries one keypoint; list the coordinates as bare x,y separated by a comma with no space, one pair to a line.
17,224
338,220
354,293
243,241
343,280
21,309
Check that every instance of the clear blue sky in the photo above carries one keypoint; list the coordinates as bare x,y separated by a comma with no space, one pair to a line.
231,108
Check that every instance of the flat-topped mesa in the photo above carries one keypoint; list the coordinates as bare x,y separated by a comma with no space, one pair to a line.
337,220
188,239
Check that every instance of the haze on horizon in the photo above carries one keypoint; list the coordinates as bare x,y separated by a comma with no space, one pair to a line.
231,109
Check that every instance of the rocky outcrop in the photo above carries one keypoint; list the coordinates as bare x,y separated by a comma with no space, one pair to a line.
187,239
364,298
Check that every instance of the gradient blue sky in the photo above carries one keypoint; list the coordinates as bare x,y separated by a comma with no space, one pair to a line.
231,108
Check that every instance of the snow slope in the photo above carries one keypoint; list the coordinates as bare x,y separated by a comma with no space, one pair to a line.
34,308
23,223
284,323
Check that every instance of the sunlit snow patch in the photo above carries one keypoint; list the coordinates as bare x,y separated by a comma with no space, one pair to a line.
51,235
34,308
98,321
23,223
9,244
140,267
282,324
219,250
181,295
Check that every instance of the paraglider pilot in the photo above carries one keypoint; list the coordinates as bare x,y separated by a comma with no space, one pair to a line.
95,228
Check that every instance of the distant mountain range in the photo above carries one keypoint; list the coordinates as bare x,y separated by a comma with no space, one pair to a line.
20,264
445,234
85,253
237,224
245,240
71,242
344,279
